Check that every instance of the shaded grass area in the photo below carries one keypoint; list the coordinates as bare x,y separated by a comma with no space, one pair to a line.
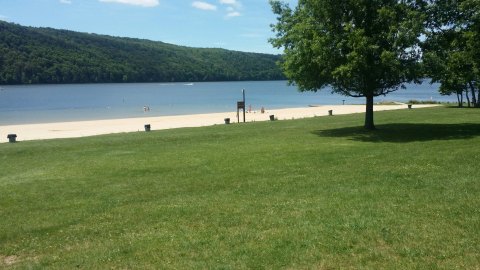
407,132
317,193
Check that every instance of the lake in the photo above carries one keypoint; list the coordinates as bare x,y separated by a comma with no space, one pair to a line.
73,102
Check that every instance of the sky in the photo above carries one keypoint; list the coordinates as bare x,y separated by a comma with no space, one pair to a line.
241,25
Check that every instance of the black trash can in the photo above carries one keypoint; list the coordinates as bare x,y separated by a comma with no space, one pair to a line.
227,121
12,138
272,117
330,112
147,127
409,106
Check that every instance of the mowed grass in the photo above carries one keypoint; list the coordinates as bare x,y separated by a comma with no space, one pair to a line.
318,193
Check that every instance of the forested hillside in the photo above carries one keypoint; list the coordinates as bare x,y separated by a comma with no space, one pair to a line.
43,55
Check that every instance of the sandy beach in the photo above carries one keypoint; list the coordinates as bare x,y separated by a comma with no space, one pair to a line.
43,131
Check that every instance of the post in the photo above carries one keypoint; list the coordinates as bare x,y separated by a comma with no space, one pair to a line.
243,94
240,106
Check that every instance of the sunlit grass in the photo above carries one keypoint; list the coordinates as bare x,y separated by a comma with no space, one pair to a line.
317,193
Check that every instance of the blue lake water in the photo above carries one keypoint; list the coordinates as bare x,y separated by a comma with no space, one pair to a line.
73,102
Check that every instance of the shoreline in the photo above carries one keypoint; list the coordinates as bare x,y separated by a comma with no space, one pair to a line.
57,130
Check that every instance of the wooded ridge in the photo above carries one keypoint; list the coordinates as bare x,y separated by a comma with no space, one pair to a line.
31,55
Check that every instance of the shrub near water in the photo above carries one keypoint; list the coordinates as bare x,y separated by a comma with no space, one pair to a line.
414,101
312,193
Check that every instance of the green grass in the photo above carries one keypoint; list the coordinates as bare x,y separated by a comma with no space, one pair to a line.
318,193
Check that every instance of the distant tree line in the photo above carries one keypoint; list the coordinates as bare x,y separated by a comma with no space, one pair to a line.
43,55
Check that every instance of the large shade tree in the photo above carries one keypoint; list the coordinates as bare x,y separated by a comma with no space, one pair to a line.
360,48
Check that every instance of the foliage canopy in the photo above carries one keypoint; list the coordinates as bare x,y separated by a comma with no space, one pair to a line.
360,48
451,50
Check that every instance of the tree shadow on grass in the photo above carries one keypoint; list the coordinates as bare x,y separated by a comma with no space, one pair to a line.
403,133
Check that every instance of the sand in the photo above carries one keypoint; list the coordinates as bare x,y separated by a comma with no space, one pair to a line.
43,131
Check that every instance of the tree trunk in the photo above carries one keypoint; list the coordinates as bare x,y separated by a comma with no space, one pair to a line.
477,105
478,98
369,124
468,98
474,99
460,99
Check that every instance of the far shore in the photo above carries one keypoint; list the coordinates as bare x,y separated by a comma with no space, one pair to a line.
44,131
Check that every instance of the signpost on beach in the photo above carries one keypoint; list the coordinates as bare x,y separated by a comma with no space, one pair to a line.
241,106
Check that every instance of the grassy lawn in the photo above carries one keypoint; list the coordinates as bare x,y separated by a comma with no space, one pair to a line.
316,193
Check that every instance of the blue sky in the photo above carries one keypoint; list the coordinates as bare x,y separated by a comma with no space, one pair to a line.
242,25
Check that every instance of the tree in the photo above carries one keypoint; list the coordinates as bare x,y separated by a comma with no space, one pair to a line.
451,47
361,48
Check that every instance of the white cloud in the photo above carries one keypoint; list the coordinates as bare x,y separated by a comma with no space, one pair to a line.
3,18
204,5
233,7
143,3
65,1
233,3
233,14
